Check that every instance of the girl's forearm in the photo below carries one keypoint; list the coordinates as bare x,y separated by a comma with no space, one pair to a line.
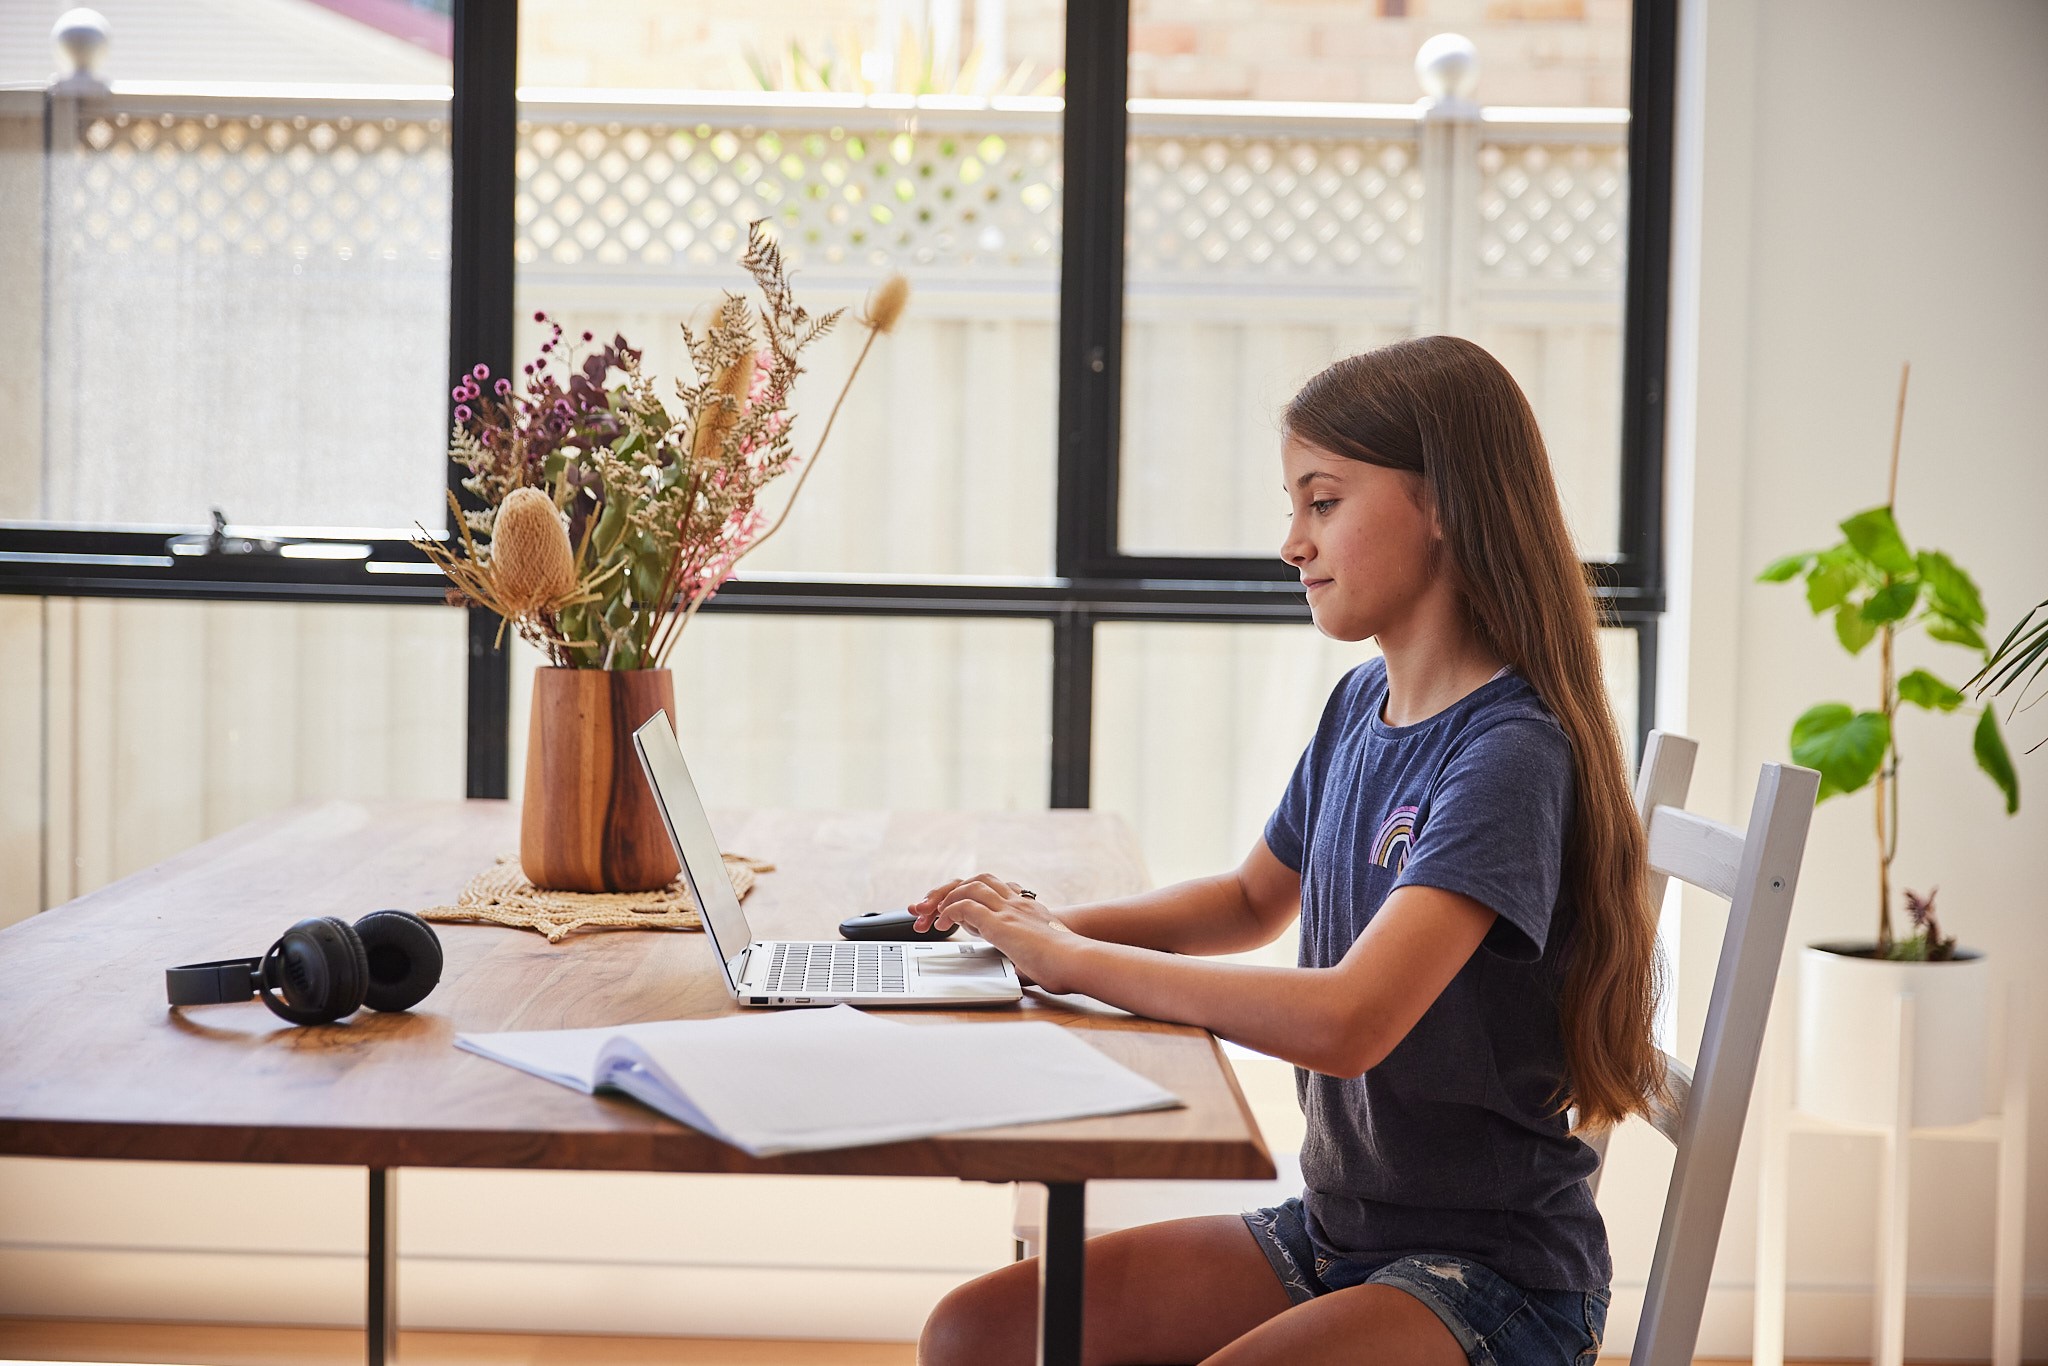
1201,916
1304,1016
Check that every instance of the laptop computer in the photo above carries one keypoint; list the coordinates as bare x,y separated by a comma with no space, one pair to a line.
797,972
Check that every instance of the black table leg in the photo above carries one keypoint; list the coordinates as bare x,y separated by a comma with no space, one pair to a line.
382,1318
1060,1267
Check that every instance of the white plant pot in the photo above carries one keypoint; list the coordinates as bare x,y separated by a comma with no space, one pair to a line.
1848,1036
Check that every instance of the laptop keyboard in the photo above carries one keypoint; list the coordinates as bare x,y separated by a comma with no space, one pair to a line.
831,969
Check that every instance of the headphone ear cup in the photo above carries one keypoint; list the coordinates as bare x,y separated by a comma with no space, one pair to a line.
404,959
319,968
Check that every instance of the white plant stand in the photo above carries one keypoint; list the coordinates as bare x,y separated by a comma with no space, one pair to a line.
2007,1129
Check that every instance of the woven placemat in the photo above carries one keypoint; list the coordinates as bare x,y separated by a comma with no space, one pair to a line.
501,895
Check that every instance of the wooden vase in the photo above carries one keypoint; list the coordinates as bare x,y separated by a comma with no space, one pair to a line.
589,822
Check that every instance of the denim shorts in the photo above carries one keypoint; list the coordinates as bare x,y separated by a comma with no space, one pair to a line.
1497,1322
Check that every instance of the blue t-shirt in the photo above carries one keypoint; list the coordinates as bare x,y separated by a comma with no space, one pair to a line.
1452,1143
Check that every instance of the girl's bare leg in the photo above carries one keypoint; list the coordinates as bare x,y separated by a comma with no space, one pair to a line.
1177,1291
1364,1325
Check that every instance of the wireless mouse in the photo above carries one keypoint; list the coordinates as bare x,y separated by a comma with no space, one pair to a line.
897,924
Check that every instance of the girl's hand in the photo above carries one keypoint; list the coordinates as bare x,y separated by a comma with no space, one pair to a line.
1035,940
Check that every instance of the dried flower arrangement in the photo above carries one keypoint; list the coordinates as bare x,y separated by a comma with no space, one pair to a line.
608,519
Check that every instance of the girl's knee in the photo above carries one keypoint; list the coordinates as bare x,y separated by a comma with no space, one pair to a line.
986,1322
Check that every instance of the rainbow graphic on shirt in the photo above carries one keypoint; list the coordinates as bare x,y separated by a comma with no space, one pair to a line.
1397,833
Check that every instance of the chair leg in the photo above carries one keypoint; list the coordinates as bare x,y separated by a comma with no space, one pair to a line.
2010,1240
1889,1347
1767,1347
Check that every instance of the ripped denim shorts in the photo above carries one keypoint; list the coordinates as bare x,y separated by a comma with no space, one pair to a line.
1497,1322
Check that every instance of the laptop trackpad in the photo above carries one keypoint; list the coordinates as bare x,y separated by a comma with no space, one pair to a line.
958,961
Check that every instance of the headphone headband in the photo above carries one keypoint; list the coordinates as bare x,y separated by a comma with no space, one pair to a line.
205,984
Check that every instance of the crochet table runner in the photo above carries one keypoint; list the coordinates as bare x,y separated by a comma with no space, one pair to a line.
501,895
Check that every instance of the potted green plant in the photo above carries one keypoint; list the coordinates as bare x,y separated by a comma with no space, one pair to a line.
1877,589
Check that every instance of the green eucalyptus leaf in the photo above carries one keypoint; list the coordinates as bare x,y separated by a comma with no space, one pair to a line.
611,524
1951,590
1876,538
1844,745
629,445
1777,571
645,576
1923,689
1829,585
1891,602
1852,628
1955,632
1994,759
573,623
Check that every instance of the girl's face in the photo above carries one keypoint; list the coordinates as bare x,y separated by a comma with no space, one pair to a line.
1361,538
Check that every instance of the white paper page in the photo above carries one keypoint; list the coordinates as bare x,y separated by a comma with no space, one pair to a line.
838,1078
570,1057
567,1057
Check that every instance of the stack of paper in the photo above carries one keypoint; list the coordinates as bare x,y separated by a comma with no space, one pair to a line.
800,1080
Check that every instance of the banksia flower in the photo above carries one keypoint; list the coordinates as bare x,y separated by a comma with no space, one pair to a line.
531,561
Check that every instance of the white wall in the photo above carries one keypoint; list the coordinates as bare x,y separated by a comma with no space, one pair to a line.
1861,182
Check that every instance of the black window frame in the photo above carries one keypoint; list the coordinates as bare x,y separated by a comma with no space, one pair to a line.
1093,579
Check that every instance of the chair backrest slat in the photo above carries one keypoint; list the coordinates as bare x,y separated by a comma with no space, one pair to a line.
1709,1129
1667,1114
1695,849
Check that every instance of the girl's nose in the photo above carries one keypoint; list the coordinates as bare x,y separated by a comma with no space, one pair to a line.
1294,546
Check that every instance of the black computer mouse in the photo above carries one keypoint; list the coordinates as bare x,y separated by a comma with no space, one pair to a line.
897,924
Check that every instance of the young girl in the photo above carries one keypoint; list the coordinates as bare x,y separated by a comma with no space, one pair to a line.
1477,946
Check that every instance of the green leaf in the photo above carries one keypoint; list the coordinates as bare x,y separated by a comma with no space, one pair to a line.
1923,689
1843,745
1829,585
1876,537
1952,591
1994,759
1852,628
1777,571
1892,602
1955,632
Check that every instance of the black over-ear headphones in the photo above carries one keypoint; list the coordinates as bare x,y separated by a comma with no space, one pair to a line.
324,969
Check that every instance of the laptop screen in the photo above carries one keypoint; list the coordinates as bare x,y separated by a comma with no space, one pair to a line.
689,830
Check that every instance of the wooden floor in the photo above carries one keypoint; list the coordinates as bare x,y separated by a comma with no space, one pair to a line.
162,1344
187,1344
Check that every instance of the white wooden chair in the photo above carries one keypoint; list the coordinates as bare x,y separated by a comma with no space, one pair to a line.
1757,871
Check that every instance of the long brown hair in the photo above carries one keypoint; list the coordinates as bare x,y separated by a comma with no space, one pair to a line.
1443,408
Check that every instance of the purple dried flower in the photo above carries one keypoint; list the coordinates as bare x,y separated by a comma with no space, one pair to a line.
481,372
540,316
546,347
457,393
586,336
503,387
462,413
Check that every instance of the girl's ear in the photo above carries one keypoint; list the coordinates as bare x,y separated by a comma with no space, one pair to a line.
1425,496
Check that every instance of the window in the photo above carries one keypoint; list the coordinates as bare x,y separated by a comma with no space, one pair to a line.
1133,229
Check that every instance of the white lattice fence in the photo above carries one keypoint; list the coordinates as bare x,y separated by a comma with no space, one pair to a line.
311,233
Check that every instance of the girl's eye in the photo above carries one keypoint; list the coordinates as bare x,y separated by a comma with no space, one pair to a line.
1322,506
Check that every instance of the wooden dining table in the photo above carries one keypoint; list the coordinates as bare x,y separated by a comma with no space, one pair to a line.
97,1066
